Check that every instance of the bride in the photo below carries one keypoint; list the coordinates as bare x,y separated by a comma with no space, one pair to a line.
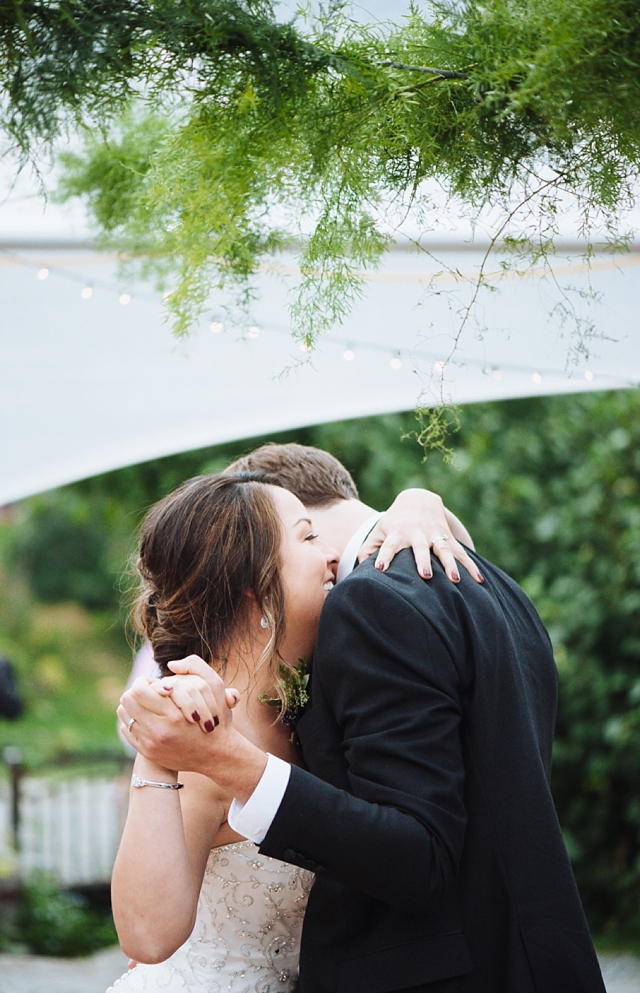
231,571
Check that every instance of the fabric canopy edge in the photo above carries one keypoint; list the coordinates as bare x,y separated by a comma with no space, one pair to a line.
194,437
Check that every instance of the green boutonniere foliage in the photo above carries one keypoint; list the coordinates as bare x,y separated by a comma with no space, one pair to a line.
294,695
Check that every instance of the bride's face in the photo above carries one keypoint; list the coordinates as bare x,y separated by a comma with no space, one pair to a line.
308,571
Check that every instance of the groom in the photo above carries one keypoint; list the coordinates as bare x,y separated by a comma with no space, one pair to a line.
425,808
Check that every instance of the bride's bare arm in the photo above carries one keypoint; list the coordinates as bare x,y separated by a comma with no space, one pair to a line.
161,861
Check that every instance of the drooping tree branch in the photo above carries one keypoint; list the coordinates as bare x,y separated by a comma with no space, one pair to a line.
201,117
442,73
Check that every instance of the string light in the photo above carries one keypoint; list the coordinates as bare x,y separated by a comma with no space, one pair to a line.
349,354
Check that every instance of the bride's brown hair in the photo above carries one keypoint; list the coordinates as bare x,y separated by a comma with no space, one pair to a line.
202,549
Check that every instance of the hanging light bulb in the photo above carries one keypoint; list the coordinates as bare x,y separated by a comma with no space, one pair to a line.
537,378
43,273
349,355
439,367
86,293
217,327
253,331
124,299
588,375
396,362
166,294
496,374
304,347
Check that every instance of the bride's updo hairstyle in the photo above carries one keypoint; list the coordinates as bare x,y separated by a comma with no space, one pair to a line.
202,548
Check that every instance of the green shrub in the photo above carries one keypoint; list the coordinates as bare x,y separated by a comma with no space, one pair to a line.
62,548
52,921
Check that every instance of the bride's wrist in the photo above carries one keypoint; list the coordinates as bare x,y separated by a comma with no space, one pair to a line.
146,769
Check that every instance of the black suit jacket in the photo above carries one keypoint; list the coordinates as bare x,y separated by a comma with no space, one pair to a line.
426,811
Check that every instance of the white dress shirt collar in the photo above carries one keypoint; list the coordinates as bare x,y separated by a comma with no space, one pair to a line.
350,554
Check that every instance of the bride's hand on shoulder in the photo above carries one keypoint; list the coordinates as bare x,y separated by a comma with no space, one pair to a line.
418,519
192,696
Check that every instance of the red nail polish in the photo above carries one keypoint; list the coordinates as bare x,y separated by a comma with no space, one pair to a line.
216,719
380,565
195,716
208,726
427,574
481,577
455,577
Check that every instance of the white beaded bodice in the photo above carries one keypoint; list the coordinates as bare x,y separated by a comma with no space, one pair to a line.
246,937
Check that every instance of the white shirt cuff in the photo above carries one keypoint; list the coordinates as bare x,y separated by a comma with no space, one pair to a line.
254,818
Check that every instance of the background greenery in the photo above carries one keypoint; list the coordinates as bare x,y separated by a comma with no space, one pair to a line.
550,490
51,921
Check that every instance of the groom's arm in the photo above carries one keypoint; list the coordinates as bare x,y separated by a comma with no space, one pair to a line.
393,694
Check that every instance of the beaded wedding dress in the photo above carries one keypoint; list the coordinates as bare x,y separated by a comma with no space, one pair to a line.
247,933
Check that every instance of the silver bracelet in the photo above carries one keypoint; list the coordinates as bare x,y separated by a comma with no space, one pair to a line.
137,783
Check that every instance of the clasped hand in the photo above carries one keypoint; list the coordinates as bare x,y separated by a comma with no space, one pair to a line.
170,720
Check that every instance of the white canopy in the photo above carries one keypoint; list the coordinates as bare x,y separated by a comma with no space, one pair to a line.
92,380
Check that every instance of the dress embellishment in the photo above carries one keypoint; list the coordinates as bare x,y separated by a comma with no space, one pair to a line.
246,938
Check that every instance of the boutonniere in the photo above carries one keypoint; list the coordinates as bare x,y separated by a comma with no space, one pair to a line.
295,696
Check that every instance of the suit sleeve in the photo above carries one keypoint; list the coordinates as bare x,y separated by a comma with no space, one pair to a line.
396,830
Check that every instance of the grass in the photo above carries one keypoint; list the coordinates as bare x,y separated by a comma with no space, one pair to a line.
72,666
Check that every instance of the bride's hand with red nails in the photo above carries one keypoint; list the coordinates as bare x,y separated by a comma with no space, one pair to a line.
418,519
192,695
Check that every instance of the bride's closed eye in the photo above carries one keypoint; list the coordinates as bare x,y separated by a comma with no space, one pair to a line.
310,536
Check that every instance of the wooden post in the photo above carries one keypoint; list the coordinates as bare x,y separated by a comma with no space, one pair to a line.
13,758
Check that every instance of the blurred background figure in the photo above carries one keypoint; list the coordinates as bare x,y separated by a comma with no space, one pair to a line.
144,664
11,705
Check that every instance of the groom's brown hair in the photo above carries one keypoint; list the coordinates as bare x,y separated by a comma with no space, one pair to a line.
314,476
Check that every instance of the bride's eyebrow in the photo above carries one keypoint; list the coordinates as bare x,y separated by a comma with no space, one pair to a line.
303,520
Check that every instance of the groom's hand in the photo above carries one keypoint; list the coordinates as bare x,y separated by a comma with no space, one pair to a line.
160,732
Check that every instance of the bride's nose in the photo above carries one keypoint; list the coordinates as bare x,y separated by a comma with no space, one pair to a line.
333,560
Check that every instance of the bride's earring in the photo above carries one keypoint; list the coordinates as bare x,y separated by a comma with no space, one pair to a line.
264,623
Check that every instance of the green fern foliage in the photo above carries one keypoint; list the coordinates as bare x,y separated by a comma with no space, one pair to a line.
217,134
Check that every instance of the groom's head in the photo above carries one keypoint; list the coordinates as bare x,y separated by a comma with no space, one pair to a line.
316,478
319,481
